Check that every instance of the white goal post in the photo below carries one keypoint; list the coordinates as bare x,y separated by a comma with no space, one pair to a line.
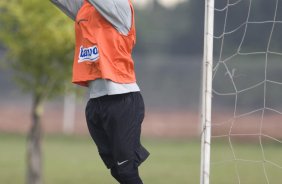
207,92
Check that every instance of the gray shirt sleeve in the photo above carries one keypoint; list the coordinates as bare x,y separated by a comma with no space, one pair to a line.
69,7
117,12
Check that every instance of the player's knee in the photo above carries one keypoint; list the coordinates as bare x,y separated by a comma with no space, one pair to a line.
115,174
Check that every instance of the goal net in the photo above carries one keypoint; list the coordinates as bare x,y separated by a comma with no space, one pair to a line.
246,113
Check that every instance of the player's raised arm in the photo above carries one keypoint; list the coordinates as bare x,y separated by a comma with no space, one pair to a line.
117,12
69,7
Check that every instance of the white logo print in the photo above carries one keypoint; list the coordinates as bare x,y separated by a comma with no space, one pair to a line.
88,54
120,163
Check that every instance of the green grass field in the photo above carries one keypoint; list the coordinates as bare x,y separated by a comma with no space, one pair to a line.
73,160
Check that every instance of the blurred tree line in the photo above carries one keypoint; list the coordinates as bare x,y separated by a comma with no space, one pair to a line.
169,31
179,30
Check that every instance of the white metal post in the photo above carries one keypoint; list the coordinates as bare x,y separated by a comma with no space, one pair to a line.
207,92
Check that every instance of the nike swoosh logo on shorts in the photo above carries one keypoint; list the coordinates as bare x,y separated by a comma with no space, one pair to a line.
120,163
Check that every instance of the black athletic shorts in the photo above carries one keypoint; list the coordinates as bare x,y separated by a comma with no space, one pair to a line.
114,123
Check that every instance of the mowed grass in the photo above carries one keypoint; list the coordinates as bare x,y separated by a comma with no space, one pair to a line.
73,160
246,161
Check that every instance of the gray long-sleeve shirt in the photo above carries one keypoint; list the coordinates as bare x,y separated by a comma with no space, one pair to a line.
118,13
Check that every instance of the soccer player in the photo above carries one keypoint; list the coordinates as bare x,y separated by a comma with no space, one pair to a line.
105,37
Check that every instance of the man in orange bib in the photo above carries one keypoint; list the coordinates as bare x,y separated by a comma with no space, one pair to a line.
105,37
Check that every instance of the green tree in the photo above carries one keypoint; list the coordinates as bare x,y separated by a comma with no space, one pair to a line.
39,43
